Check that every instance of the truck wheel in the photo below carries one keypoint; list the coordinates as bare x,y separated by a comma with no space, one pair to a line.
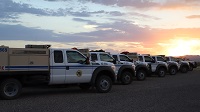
191,68
161,72
184,69
10,89
126,78
85,86
172,71
103,84
140,75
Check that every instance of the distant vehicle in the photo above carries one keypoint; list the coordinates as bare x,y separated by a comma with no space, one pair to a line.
184,65
159,68
141,69
192,64
173,66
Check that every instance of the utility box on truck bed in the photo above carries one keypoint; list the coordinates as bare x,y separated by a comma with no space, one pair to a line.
32,58
39,64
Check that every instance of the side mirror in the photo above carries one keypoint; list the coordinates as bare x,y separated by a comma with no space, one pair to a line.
87,61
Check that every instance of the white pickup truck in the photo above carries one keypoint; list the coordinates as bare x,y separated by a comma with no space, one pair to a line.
159,68
41,64
142,69
124,72
184,65
173,66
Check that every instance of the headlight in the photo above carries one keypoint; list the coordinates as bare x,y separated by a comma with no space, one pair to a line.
133,66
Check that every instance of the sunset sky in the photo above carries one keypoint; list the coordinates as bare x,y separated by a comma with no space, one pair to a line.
169,27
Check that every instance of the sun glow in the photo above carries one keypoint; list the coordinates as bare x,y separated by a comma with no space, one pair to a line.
180,47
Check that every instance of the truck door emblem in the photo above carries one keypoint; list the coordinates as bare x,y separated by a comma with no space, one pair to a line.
79,73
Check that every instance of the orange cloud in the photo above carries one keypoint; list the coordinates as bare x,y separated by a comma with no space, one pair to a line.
193,17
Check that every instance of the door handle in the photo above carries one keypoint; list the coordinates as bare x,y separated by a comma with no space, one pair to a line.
67,67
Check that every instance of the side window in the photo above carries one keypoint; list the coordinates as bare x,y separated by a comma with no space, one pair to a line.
160,59
74,57
106,57
154,58
140,58
148,59
174,59
124,58
167,58
58,57
115,57
94,57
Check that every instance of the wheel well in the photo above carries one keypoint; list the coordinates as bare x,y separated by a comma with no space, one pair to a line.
11,77
173,66
106,73
129,70
142,69
191,65
185,66
162,67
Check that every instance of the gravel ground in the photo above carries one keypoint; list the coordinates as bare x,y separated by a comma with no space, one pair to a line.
173,93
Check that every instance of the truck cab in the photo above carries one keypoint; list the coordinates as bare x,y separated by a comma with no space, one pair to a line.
124,72
159,68
140,68
173,66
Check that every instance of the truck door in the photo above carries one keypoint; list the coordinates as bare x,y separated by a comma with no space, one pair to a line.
76,69
57,67
152,61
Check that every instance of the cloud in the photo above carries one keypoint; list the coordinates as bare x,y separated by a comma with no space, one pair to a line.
124,3
148,4
193,17
10,9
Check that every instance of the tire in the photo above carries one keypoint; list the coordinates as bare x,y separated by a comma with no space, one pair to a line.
173,71
184,69
141,75
126,78
191,68
103,84
10,89
85,86
161,72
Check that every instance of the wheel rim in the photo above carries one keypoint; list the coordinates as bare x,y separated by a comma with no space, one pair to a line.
104,84
141,75
173,71
184,69
162,73
127,78
11,89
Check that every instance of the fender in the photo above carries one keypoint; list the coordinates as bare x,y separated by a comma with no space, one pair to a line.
172,65
184,64
102,69
138,67
159,66
195,64
125,67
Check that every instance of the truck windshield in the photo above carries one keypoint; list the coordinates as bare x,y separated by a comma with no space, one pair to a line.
124,58
106,57
160,59
74,57
148,59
